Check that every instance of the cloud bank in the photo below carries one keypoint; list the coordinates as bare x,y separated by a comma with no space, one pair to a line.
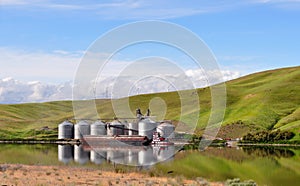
14,91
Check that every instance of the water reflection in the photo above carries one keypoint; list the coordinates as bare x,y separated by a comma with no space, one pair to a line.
149,155
97,157
131,155
264,165
269,152
65,153
80,155
164,153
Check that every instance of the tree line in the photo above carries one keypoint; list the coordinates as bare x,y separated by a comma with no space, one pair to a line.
268,136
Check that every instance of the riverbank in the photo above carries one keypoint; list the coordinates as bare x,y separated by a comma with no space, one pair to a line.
268,144
19,174
34,141
78,142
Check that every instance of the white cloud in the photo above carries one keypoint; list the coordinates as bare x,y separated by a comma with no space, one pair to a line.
14,91
58,66
202,78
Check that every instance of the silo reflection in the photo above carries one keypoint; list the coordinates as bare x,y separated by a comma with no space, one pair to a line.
65,153
146,157
165,153
81,156
98,157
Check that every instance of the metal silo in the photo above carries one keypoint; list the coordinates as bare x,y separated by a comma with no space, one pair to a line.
133,126
147,127
126,125
65,130
65,153
98,128
80,129
115,128
166,130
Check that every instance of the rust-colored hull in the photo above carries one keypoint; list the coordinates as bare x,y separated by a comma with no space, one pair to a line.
113,141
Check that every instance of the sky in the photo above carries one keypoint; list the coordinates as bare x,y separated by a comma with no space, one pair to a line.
43,41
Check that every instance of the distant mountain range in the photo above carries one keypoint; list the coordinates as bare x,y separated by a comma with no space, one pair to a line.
267,100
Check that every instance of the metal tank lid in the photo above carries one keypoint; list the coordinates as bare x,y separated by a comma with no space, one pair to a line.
66,122
98,122
116,122
166,124
147,120
82,122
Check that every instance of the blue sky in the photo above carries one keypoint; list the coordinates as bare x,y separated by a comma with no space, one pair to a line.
43,40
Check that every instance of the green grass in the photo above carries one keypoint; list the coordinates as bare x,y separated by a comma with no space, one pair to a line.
265,100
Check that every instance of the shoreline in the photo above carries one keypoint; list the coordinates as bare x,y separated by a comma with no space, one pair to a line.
78,142
268,144
33,141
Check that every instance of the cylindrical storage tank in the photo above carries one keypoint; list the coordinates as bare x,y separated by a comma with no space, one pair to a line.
98,128
133,126
65,130
80,129
147,127
126,125
65,153
166,130
115,128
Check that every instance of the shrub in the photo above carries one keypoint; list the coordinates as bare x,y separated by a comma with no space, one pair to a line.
237,182
268,136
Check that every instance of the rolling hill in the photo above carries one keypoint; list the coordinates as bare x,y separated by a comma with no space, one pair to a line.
266,100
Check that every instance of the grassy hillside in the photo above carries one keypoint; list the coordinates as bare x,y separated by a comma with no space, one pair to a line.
265,100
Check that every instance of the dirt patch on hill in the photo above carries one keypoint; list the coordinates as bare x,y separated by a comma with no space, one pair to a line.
250,96
235,130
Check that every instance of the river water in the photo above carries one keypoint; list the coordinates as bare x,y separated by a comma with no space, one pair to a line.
264,165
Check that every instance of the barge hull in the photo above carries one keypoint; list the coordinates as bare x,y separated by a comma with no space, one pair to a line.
113,141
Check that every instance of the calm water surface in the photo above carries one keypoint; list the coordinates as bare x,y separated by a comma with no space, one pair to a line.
264,165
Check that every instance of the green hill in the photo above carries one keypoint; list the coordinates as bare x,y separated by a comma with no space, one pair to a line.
266,100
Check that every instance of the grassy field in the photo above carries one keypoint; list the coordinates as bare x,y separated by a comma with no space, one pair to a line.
266,100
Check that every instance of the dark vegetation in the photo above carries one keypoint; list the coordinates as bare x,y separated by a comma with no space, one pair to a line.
268,136
238,182
264,151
